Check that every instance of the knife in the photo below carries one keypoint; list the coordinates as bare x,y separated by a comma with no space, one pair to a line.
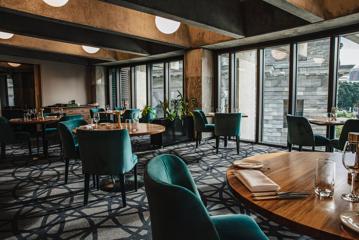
263,194
280,197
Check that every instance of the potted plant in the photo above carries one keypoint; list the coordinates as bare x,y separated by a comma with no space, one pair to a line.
148,114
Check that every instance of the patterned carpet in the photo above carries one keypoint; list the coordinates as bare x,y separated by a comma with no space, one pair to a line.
36,204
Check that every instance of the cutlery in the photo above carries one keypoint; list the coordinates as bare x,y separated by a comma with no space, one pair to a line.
263,194
280,197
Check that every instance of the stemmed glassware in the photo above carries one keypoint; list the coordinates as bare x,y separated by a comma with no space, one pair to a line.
96,118
351,163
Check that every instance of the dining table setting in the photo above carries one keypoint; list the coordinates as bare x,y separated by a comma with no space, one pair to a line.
316,193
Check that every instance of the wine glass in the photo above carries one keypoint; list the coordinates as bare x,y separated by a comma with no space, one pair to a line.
96,118
351,163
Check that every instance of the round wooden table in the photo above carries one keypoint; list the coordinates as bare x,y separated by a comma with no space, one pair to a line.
325,121
37,121
295,171
134,129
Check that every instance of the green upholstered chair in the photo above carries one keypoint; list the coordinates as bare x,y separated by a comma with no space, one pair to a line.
149,117
351,125
300,133
69,142
9,136
72,117
176,209
107,153
131,114
227,125
104,118
119,108
201,125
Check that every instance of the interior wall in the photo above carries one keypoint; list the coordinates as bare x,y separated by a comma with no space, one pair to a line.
63,82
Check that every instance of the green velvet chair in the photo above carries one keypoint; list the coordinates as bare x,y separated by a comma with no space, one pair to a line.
176,209
201,125
227,125
69,142
104,118
351,125
300,133
119,108
149,117
107,153
9,136
131,114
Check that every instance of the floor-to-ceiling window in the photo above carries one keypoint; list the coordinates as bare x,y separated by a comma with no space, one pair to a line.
223,83
125,87
246,91
313,80
140,86
175,81
158,87
113,87
275,94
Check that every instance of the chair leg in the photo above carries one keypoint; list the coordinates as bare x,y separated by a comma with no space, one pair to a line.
30,150
200,137
289,147
67,161
313,148
300,148
93,180
237,142
217,144
87,187
225,141
135,177
97,182
3,151
197,139
123,189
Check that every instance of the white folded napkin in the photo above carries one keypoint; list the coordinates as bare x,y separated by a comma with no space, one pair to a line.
256,181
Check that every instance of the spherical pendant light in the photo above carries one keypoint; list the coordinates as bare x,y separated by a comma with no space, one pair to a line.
166,26
6,35
90,50
14,64
56,3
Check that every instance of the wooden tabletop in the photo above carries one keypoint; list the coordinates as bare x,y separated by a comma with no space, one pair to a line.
295,172
46,120
134,129
212,114
327,121
113,112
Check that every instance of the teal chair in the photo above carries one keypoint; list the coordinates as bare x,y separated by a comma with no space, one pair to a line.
69,142
300,133
119,108
149,117
9,136
176,209
351,125
131,114
104,118
201,125
107,153
227,125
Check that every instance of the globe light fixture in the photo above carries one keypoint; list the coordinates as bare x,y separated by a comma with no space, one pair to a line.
166,26
56,3
14,64
90,50
6,35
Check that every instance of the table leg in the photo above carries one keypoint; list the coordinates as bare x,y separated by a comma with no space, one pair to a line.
44,141
157,140
331,131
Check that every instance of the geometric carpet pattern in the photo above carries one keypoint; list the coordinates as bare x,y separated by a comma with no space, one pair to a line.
36,204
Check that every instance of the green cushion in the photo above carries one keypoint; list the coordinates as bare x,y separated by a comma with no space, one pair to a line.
227,124
232,227
209,128
321,141
334,143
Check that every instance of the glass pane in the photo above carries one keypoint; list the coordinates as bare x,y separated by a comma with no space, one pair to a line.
313,80
246,91
175,81
223,83
113,87
275,95
158,87
141,86
348,78
125,94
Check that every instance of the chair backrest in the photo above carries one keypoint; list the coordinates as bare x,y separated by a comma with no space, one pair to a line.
68,138
299,131
6,131
351,125
105,152
119,108
149,117
227,124
200,120
131,114
176,209
71,117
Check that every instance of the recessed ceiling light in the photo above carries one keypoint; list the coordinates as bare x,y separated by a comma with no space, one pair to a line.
90,50
56,3
14,64
166,26
6,35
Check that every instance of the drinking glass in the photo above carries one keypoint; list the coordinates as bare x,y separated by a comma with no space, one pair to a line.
351,163
96,118
324,177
